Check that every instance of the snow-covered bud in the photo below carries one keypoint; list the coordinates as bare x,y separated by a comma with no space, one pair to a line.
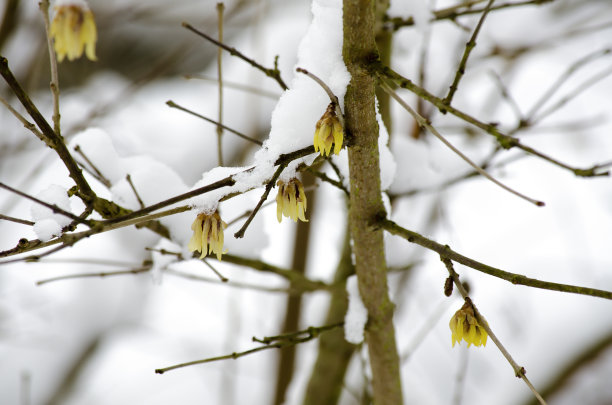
207,235
73,29
291,200
328,132
464,326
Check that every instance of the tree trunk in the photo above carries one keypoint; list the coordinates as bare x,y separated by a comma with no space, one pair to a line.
361,127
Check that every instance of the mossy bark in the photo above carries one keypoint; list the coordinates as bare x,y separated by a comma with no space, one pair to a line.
359,50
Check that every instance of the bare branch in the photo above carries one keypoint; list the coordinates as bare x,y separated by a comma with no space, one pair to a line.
514,278
278,343
272,73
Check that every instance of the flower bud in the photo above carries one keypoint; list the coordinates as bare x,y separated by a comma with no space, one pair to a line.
328,131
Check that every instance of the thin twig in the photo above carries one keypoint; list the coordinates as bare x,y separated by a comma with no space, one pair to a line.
462,9
297,336
272,73
506,96
165,252
92,261
518,370
221,277
423,123
572,94
98,173
238,86
54,85
52,207
271,183
324,177
22,119
514,278
547,95
172,104
220,8
128,178
471,44
69,239
310,333
235,284
330,93
136,270
296,279
505,141
17,220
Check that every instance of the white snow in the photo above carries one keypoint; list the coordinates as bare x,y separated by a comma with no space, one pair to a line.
299,108
49,224
356,315
46,229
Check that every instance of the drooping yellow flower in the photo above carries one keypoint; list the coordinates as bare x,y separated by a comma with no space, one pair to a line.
207,235
464,326
73,29
328,131
291,200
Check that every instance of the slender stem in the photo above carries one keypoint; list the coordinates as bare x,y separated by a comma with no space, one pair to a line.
471,44
136,270
210,266
571,95
238,86
330,94
296,279
462,9
27,124
505,141
172,104
220,8
424,124
97,172
264,196
321,83
52,207
547,95
518,370
514,278
44,8
69,239
16,220
234,284
281,341
128,178
272,73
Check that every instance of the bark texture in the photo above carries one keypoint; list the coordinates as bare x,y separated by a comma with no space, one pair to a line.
359,50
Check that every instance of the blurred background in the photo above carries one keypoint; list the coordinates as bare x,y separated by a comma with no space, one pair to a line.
540,71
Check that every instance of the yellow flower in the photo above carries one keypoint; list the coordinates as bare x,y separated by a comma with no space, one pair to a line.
464,326
291,200
73,28
328,131
207,235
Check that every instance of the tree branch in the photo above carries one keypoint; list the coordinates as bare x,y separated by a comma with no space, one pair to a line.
447,252
272,73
